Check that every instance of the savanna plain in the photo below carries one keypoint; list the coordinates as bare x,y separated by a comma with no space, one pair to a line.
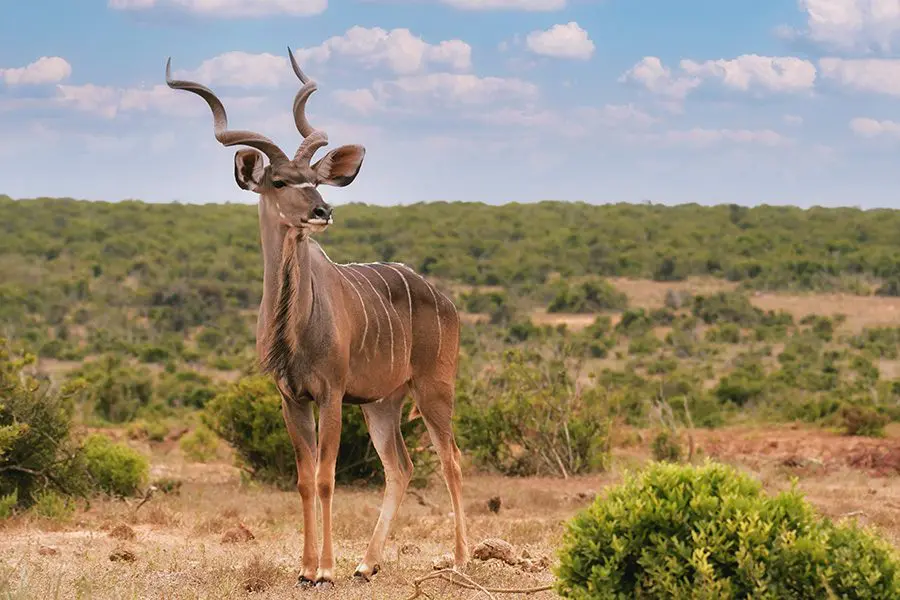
143,456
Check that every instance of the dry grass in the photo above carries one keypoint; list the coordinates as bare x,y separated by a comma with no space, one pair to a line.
173,547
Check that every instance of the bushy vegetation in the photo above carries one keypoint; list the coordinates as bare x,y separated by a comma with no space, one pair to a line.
114,468
248,416
711,532
155,305
586,296
43,464
37,451
529,417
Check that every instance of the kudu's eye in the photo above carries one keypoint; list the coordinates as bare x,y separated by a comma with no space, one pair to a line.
279,184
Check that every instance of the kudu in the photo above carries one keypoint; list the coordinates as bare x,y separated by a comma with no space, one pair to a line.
331,334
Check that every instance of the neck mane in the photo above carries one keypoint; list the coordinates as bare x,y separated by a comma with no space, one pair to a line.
287,291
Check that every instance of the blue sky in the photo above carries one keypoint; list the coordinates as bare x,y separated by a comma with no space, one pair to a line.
765,101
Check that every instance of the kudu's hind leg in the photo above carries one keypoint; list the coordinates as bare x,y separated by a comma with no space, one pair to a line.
434,400
301,426
383,422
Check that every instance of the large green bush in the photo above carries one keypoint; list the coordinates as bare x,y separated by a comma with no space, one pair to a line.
37,452
248,416
711,532
529,417
115,469
116,390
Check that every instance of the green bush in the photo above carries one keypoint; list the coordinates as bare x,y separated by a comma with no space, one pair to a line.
588,296
527,418
37,452
117,391
727,307
115,469
666,447
494,304
862,420
710,532
248,416
727,333
52,505
200,445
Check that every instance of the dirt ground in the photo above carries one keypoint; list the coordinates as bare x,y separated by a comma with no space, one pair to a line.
175,545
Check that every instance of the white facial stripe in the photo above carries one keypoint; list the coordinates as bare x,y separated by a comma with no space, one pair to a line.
300,186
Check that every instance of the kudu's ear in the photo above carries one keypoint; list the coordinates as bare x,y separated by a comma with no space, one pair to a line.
249,169
340,166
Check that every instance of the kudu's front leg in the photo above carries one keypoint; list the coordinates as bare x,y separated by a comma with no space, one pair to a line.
329,442
301,426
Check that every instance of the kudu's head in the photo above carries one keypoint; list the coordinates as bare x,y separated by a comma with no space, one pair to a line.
289,184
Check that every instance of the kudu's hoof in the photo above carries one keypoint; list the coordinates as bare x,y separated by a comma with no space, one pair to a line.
305,582
325,585
362,576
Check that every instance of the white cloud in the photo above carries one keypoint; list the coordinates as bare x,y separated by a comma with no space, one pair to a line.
744,73
880,76
793,120
109,102
457,88
91,98
870,128
431,90
241,69
575,123
771,73
527,5
704,138
561,41
399,49
659,79
362,100
852,23
229,8
47,69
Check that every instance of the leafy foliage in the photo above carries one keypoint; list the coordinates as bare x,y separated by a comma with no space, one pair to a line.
37,452
710,532
248,416
528,417
115,468
587,296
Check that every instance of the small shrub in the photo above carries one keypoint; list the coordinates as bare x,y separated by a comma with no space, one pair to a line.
676,299
8,504
37,452
647,343
588,296
727,307
862,420
51,505
115,468
724,333
147,429
116,390
742,385
200,445
666,447
494,304
710,532
526,418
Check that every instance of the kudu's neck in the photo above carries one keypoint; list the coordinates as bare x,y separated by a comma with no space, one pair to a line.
287,283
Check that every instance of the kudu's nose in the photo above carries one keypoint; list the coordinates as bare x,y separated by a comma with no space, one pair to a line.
322,212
